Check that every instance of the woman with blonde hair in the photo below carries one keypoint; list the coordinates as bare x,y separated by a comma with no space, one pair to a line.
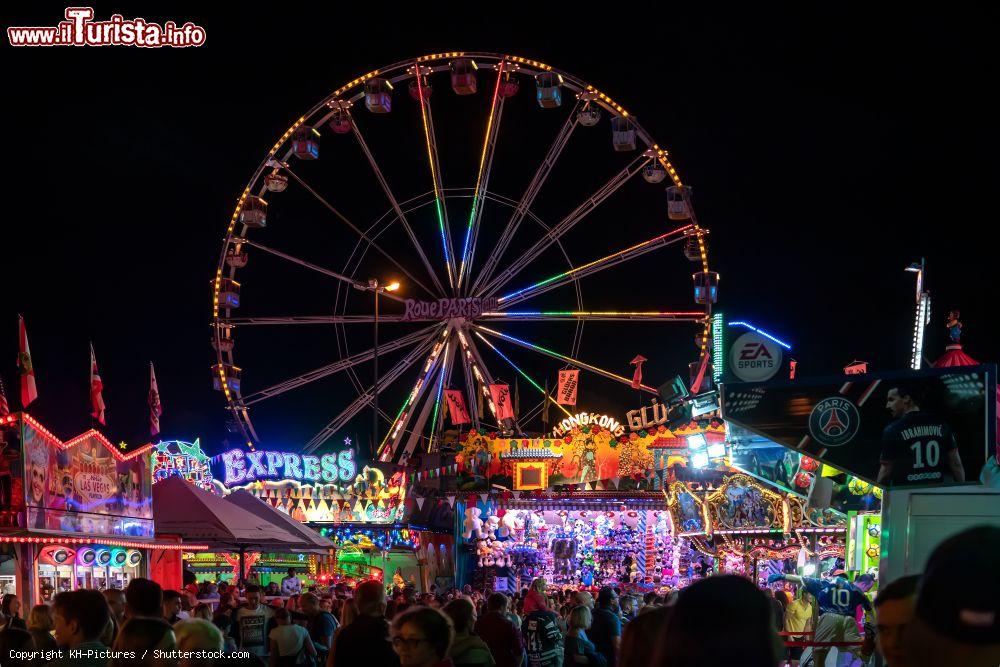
40,628
578,649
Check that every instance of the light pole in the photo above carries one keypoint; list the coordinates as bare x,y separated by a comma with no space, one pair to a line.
923,314
376,289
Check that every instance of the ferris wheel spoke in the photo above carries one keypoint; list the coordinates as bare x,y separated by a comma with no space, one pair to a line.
564,225
470,386
527,199
595,266
388,449
366,397
357,230
592,316
569,360
522,373
337,366
436,422
319,269
482,180
432,156
313,319
400,215
479,370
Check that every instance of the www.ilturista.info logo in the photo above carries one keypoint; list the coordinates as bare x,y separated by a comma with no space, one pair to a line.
79,29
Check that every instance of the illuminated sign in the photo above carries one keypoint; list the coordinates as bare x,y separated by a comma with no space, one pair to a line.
754,358
649,416
242,467
445,309
586,419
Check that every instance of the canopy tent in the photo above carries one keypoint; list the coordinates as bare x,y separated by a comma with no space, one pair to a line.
181,508
247,501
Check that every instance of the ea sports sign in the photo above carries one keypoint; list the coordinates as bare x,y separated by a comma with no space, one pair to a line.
754,358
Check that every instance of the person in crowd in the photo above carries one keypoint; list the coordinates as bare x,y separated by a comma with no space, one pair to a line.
224,622
365,640
501,635
606,629
110,631
466,648
838,599
40,628
543,641
893,611
291,584
143,636
171,606
421,637
777,608
582,599
326,603
721,620
535,597
202,611
629,608
273,590
579,649
348,612
79,618
799,617
250,624
290,643
15,639
956,620
11,609
143,599
195,635
322,625
115,597
292,603
638,638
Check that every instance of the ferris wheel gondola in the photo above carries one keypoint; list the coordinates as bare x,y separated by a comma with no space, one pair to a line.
448,265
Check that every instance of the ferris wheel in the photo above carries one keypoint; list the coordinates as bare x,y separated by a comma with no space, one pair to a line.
479,256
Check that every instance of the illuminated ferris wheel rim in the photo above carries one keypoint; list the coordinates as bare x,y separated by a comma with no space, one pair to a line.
418,70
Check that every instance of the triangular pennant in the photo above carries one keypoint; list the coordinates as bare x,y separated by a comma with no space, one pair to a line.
451,501
483,497
517,494
420,502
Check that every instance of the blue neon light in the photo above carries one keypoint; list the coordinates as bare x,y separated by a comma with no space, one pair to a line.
763,333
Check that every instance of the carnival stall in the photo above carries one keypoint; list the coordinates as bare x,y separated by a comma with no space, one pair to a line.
77,513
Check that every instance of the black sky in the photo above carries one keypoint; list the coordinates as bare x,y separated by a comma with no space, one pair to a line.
827,151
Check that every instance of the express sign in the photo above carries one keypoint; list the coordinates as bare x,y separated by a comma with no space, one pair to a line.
244,467
754,358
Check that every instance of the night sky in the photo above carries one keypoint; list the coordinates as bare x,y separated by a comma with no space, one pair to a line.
826,153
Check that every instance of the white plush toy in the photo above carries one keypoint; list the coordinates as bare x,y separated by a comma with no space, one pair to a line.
473,524
492,523
510,523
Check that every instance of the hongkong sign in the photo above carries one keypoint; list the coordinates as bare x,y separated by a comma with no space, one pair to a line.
754,358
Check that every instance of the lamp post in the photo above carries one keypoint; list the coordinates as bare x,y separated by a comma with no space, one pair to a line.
376,289
923,314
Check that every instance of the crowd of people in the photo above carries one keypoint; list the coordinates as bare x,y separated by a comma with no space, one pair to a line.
948,615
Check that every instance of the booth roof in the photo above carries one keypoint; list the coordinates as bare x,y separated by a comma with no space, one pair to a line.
126,541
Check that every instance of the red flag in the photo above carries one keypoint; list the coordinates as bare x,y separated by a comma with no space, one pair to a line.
4,406
155,409
96,387
28,390
456,407
500,393
568,383
637,376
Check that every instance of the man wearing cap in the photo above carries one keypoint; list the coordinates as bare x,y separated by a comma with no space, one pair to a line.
838,599
956,621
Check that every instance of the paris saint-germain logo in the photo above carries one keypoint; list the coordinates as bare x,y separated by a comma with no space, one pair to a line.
834,421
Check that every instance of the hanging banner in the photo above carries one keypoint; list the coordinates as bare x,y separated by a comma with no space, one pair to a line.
568,384
456,407
500,393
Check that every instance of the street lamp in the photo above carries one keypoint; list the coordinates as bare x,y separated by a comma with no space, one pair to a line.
377,289
922,316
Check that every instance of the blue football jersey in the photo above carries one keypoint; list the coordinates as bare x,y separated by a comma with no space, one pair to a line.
836,596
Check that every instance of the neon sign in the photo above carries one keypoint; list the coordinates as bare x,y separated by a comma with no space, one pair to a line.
242,467
587,418
444,309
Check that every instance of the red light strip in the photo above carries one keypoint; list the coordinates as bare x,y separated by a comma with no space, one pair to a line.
97,540
92,433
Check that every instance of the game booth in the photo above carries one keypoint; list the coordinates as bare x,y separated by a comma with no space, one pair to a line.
76,514
655,508
362,511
